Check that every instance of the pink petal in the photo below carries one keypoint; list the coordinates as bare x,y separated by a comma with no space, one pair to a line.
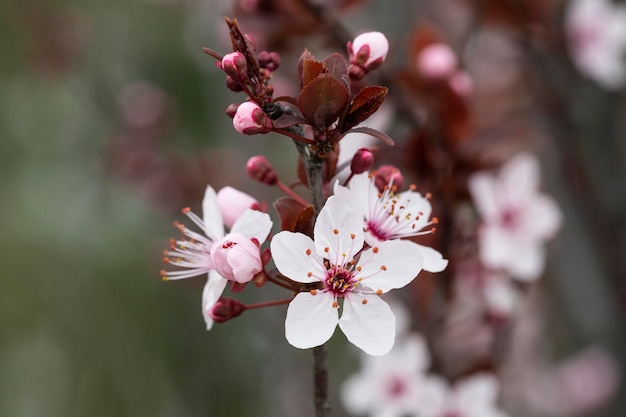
311,320
370,326
544,217
294,256
233,203
390,264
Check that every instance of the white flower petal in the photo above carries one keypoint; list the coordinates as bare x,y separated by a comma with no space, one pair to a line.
520,178
476,394
211,215
358,394
253,224
433,396
294,256
529,262
543,217
370,326
496,248
484,191
433,260
339,229
311,319
212,291
390,264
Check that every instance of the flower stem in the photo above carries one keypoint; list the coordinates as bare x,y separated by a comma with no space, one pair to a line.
269,303
291,193
320,381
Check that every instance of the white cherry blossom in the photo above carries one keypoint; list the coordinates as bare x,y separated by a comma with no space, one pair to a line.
596,31
517,218
474,396
340,270
390,215
390,385
194,253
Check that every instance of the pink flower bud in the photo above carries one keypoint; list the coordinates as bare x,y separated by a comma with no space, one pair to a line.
233,203
235,65
436,62
269,60
388,176
250,119
461,83
368,50
362,161
259,168
236,258
226,309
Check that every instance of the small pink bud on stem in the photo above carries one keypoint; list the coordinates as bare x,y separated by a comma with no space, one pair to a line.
388,176
226,309
269,60
367,52
251,120
362,161
259,168
436,62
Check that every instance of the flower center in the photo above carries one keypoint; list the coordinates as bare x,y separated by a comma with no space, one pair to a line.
339,281
510,218
396,387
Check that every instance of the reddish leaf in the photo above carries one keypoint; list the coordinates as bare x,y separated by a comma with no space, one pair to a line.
308,68
366,102
289,120
306,221
336,66
323,100
372,132
289,211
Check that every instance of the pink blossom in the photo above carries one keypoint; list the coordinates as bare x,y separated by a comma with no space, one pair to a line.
596,30
389,385
237,258
250,119
235,65
517,218
344,272
389,215
194,252
436,61
369,49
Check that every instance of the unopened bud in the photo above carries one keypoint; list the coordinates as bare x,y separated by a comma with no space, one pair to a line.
226,309
461,83
362,161
250,119
367,51
259,168
437,61
269,60
233,85
235,65
388,176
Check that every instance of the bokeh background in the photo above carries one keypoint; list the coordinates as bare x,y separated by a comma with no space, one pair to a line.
112,119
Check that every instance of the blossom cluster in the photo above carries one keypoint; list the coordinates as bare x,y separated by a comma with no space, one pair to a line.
338,262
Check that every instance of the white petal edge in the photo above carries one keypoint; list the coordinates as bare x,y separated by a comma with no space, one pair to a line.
289,251
211,215
212,291
433,259
311,320
370,326
338,217
390,264
253,224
